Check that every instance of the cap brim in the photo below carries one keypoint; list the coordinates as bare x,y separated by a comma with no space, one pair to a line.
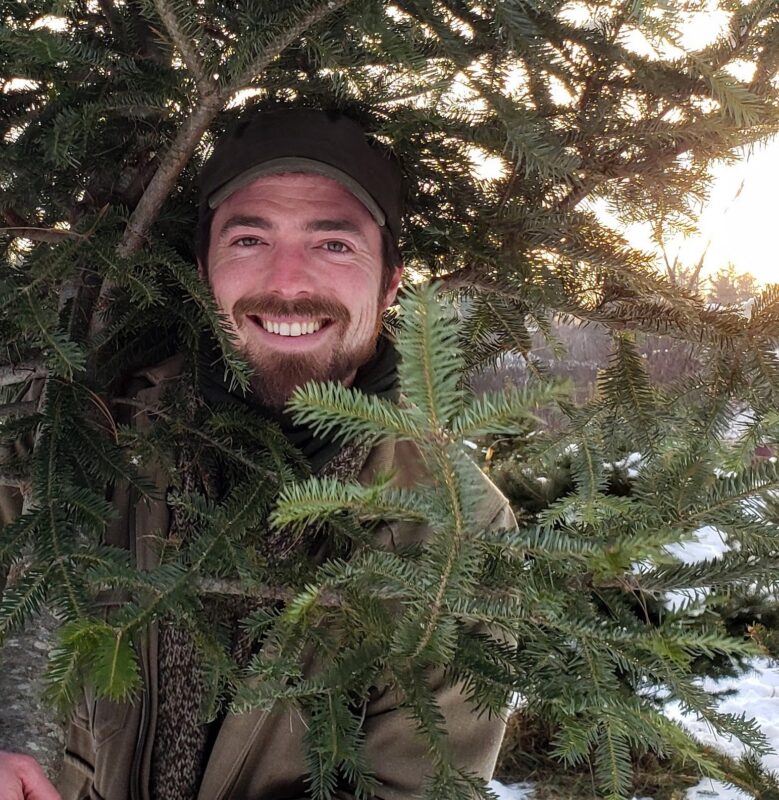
278,166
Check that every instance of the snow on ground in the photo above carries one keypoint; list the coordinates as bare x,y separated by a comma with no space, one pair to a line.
515,791
707,545
756,694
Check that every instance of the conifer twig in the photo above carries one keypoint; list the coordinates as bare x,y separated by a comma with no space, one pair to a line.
471,277
15,482
12,374
19,227
161,185
205,84
51,235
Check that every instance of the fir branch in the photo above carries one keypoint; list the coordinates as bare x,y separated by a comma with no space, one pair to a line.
157,192
183,42
191,132
266,593
332,409
22,409
22,599
503,413
48,235
12,374
24,485
456,536
280,43
430,359
218,445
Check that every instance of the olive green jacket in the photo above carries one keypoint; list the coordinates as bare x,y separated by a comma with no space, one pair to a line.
259,755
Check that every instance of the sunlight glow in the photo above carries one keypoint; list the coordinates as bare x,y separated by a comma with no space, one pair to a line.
53,23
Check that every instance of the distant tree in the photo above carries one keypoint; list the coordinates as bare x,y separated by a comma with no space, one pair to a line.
728,286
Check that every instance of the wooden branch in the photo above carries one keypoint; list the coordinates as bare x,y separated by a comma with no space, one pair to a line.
15,482
627,169
19,227
282,41
206,85
171,165
271,594
19,373
22,409
470,278
190,133
52,235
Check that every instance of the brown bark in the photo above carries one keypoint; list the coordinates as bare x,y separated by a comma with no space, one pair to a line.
17,409
12,374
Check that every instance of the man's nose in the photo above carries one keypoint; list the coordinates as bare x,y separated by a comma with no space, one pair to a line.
288,272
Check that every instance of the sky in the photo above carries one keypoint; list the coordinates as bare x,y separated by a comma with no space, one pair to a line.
740,222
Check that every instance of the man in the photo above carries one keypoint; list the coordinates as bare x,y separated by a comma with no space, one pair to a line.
299,221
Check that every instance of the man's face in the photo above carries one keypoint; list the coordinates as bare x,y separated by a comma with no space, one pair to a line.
295,262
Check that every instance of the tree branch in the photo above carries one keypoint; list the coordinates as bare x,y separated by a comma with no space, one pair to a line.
270,594
15,482
17,409
171,165
626,169
19,227
52,235
277,45
470,278
19,373
190,133
206,85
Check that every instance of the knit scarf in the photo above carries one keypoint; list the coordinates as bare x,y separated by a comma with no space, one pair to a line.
181,741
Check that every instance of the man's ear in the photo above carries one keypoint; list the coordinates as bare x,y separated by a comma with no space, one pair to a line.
392,289
202,270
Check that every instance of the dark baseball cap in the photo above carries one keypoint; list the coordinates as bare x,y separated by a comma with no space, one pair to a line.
305,140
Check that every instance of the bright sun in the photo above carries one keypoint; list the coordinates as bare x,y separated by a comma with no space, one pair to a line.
739,223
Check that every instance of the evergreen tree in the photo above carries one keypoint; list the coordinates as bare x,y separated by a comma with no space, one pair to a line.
108,110
728,287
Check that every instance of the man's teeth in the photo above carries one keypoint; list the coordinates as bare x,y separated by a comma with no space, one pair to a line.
290,328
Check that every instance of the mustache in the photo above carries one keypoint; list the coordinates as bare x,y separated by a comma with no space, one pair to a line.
273,306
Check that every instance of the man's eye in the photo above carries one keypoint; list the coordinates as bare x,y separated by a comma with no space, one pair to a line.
247,241
336,247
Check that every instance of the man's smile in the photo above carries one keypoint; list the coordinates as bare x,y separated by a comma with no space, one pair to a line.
289,327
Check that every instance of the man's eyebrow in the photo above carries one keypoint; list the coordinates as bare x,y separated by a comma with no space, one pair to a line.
345,225
244,221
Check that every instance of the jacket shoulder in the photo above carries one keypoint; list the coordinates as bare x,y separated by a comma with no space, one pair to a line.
405,461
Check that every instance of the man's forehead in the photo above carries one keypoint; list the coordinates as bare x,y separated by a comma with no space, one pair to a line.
323,203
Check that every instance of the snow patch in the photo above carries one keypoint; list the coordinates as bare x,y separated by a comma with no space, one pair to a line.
514,791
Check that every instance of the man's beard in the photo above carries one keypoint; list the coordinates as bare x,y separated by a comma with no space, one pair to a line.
277,375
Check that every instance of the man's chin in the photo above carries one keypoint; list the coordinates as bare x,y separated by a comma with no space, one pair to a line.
277,376
275,379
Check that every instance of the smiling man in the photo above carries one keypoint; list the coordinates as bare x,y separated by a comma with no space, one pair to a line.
300,217
297,237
